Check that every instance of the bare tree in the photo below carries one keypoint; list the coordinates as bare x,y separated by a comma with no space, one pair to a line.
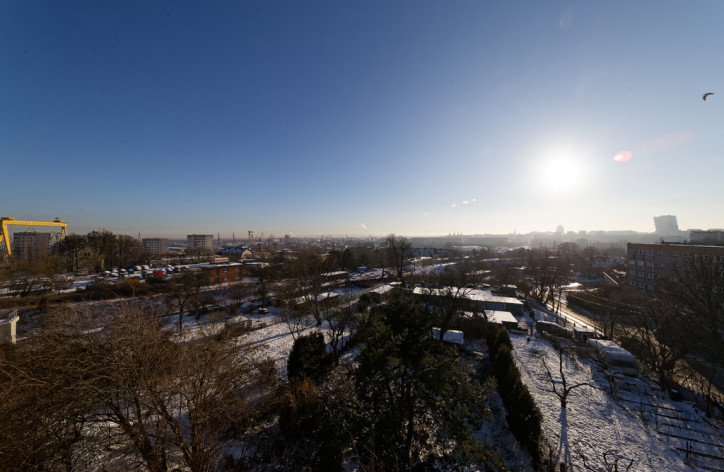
340,318
205,400
548,272
698,293
71,247
610,460
183,290
505,274
27,276
656,335
612,307
42,422
297,320
103,247
400,249
239,292
306,281
265,278
117,387
558,384
448,295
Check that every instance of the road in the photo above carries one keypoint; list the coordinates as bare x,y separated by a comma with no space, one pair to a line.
573,318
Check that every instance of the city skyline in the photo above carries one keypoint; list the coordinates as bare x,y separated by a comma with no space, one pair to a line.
175,118
243,236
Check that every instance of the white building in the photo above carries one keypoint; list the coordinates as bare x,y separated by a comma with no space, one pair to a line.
200,241
666,225
8,329
155,245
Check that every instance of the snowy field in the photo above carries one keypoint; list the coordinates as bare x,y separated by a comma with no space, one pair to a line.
616,418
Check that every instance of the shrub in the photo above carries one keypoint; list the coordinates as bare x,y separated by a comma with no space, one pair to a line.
309,358
524,417
474,328
298,403
365,300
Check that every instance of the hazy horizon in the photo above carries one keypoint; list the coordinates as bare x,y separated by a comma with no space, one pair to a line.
424,118
242,236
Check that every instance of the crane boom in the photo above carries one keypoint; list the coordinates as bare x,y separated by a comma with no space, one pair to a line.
6,221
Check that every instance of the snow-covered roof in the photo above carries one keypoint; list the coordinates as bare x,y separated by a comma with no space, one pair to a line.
326,295
611,349
450,336
381,290
479,295
496,316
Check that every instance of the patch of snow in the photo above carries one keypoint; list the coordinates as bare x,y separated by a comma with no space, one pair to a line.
627,415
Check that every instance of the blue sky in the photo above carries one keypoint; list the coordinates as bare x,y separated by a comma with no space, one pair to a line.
169,118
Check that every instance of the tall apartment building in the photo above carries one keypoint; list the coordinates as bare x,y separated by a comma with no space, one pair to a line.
200,241
30,244
155,246
666,225
648,263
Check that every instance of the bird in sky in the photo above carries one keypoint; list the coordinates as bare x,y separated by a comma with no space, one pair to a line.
706,95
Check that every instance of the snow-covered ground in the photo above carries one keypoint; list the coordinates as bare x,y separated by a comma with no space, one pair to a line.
624,417
274,341
496,432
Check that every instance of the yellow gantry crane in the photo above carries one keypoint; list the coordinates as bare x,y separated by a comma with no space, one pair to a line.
6,221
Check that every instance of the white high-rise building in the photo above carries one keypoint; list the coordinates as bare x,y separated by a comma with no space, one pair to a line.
666,225
155,245
200,241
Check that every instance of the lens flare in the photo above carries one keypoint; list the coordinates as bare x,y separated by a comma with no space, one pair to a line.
623,156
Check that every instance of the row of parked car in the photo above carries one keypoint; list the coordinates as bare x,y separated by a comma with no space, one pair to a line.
143,271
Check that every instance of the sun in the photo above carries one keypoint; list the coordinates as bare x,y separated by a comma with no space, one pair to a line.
560,174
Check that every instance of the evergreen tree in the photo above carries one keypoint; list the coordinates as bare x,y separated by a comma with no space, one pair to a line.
309,358
411,392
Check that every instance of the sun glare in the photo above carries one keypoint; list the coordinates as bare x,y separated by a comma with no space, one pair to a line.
560,174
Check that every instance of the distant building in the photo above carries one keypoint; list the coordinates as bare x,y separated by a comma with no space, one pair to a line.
237,252
155,246
29,244
648,263
666,225
200,241
712,236
224,271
